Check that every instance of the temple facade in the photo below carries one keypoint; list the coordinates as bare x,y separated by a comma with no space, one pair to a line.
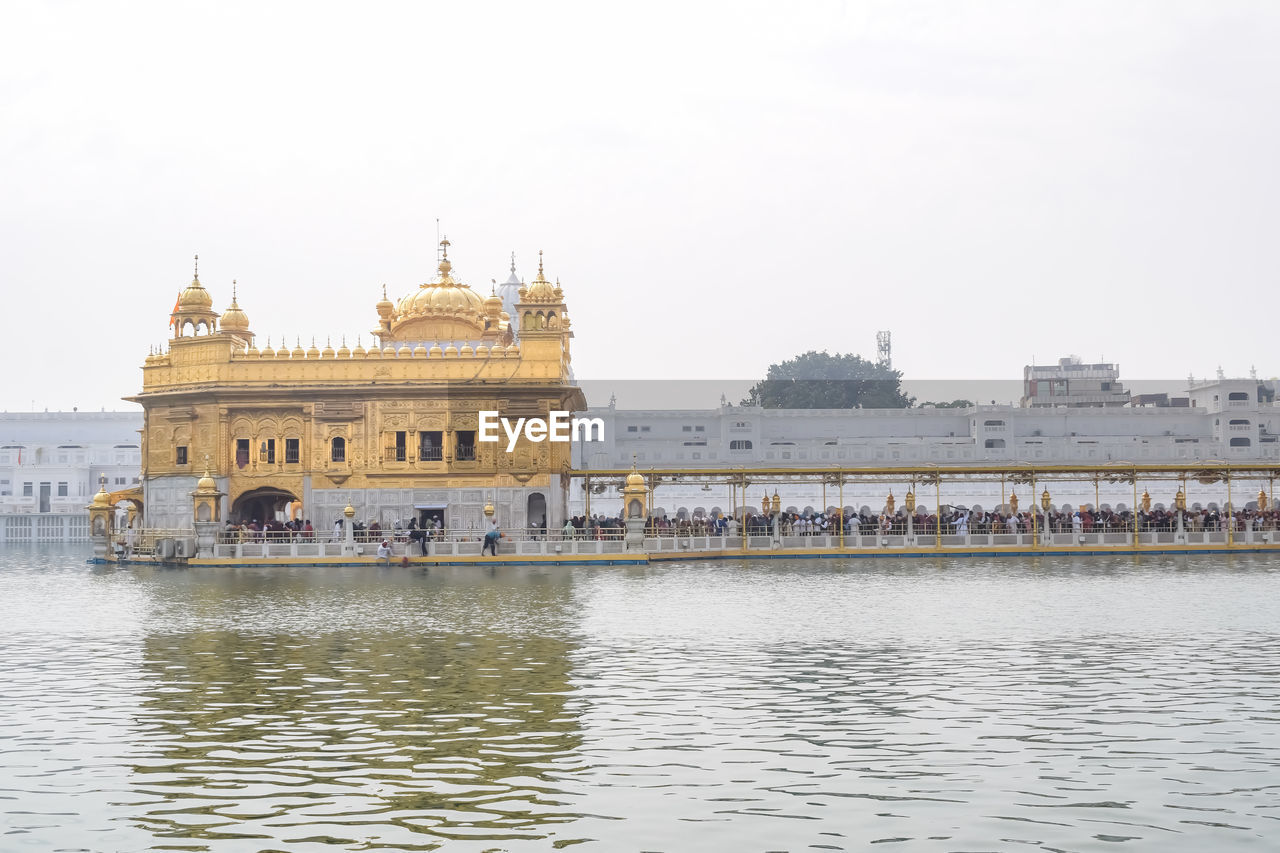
390,431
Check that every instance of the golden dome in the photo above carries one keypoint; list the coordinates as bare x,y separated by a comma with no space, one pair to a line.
441,309
540,290
206,483
384,305
195,297
234,319
102,498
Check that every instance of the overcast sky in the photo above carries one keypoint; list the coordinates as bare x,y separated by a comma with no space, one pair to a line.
717,186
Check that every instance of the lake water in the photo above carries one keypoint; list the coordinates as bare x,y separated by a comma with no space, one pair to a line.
936,705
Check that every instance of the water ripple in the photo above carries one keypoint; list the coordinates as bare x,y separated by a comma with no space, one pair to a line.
948,707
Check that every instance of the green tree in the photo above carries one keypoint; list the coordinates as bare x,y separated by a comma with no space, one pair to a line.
954,404
819,380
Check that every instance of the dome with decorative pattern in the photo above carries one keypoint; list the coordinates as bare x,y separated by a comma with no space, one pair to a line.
441,309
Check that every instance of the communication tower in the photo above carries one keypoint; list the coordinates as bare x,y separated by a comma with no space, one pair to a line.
884,350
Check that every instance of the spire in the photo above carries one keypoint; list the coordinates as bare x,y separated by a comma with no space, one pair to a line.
540,263
444,248
197,273
233,291
513,263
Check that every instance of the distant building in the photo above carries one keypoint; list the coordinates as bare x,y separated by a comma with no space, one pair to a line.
1073,384
52,463
1226,419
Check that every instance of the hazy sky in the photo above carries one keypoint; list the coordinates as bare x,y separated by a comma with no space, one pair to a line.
721,185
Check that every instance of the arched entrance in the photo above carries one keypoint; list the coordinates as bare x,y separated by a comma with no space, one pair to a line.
260,505
536,516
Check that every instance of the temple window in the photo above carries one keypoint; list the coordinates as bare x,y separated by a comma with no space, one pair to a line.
180,455
430,446
338,449
396,447
242,452
267,451
466,445
291,452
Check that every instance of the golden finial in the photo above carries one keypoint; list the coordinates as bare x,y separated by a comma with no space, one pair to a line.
233,290
384,290
444,248
344,340
493,287
539,263
327,342
513,263
197,275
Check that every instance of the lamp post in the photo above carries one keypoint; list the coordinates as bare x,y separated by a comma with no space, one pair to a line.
1180,508
348,532
1044,504
776,506
909,504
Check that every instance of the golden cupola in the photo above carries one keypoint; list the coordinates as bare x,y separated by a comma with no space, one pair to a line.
194,312
443,309
234,320
540,290
541,307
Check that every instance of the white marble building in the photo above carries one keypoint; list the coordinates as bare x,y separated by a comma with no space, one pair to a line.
51,464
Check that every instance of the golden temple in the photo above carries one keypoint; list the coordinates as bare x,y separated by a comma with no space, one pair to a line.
390,430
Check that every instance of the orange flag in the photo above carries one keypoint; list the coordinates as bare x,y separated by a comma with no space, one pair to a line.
176,302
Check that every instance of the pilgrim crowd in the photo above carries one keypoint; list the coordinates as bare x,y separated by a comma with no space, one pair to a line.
954,520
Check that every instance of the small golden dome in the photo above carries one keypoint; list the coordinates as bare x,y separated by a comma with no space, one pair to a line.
298,352
267,351
435,351
327,352
450,351
234,319
385,306
541,289
206,483
195,297
343,352
358,352
102,499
